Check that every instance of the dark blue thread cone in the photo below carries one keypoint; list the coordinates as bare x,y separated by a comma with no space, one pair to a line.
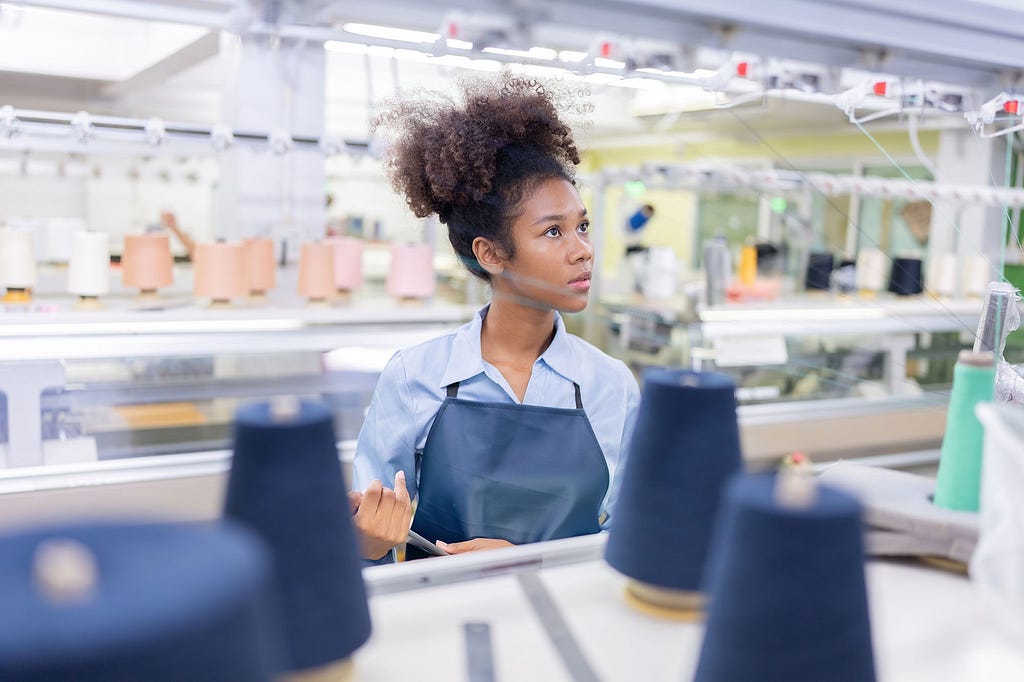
906,277
788,600
169,603
686,444
819,271
286,483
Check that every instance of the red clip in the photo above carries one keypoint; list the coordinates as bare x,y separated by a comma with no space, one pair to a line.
742,69
606,49
453,29
1011,107
880,87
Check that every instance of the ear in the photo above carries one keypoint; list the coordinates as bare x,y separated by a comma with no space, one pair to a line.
489,255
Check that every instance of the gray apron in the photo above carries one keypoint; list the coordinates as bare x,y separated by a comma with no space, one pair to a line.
521,473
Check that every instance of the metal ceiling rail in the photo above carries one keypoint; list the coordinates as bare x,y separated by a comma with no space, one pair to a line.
954,41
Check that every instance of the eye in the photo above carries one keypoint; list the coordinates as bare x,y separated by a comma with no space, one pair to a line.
584,226
553,232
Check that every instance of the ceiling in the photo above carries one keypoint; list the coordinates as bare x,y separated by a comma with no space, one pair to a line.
136,67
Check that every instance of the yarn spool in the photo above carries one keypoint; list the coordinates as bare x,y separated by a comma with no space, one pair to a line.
58,238
977,274
147,263
316,272
685,445
787,589
844,277
906,277
941,276
89,268
747,271
717,269
119,602
411,273
261,270
17,264
348,264
959,478
287,485
819,271
999,317
220,272
659,280
872,270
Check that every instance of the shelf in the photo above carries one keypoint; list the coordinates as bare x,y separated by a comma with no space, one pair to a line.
197,331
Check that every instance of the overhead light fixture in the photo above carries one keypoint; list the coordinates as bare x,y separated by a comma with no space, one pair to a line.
344,48
695,74
609,63
457,44
542,53
390,33
413,55
571,56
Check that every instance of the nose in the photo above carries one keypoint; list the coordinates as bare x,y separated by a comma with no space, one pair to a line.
582,249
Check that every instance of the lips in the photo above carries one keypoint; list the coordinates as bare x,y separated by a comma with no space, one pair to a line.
581,283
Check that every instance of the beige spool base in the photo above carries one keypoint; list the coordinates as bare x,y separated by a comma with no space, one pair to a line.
343,296
88,303
18,296
867,293
148,296
339,671
219,305
317,303
258,297
665,603
411,301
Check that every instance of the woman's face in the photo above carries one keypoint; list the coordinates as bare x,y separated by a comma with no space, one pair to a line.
553,252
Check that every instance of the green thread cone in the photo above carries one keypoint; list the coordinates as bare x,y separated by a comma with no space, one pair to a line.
959,476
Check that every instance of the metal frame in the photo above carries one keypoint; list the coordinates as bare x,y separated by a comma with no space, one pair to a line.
945,40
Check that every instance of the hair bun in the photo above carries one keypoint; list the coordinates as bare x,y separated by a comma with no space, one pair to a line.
446,155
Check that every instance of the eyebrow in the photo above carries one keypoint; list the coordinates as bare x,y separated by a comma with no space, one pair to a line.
557,217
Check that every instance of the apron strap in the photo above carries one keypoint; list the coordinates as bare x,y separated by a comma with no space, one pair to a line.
452,391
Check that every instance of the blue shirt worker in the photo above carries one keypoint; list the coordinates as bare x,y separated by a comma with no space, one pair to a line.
508,430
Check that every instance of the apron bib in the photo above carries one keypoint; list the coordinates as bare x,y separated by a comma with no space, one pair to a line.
522,473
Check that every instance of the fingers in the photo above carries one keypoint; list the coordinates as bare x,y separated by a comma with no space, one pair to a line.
474,545
354,499
401,509
372,496
382,515
401,491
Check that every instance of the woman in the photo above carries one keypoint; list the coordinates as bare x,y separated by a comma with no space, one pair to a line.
509,429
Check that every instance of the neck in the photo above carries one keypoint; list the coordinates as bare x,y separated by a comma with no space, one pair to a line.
516,333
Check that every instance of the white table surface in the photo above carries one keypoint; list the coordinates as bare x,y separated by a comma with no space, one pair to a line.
927,625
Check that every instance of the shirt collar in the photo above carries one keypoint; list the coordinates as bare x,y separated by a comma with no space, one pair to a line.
467,359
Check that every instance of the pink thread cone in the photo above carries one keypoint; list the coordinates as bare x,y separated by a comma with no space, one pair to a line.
316,270
411,274
260,265
146,262
219,270
348,263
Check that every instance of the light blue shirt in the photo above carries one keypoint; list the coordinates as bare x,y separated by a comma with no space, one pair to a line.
412,387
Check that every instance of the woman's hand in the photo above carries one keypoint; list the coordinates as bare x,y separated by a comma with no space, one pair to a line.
382,516
474,545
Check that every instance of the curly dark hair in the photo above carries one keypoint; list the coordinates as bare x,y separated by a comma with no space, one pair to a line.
472,163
